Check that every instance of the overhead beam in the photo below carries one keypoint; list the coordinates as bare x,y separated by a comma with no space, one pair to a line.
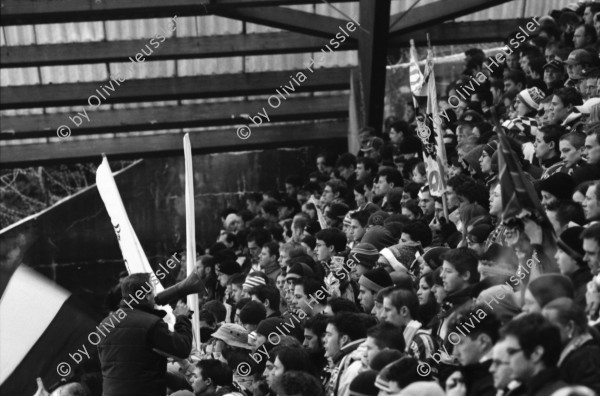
173,117
438,12
174,88
372,57
460,33
130,147
19,12
177,48
241,45
292,20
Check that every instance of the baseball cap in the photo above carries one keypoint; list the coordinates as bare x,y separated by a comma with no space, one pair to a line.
470,117
579,56
555,64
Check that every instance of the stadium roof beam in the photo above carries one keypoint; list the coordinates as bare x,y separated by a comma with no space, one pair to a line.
130,147
372,59
173,88
435,13
19,12
173,117
240,45
292,20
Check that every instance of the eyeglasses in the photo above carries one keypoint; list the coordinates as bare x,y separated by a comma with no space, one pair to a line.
496,362
541,112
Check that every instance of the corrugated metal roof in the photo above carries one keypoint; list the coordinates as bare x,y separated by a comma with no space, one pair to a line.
194,27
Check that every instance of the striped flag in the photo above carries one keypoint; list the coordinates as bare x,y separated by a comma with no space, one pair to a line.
43,332
519,198
190,223
429,130
520,201
415,75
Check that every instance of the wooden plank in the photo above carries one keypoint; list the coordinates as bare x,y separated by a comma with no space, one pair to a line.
438,12
372,56
292,20
177,48
460,33
163,89
23,12
130,147
172,117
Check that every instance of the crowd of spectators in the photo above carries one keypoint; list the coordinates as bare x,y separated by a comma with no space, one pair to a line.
357,280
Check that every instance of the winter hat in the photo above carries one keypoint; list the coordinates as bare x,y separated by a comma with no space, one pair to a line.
378,218
233,335
394,196
422,388
404,372
470,117
570,243
385,357
393,255
548,287
375,279
363,254
532,97
252,282
298,271
472,158
337,211
479,233
364,384
433,257
490,147
252,313
379,236
560,184
524,127
505,307
268,326
229,267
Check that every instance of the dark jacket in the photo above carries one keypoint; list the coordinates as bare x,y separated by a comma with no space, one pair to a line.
545,383
132,352
478,379
581,366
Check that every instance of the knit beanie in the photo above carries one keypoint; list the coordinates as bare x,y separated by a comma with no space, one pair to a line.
377,218
337,211
570,243
548,287
560,184
252,313
422,388
375,279
403,372
490,147
268,326
364,384
229,267
507,307
252,282
472,158
532,97
385,357
363,254
300,270
479,233
433,257
379,236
